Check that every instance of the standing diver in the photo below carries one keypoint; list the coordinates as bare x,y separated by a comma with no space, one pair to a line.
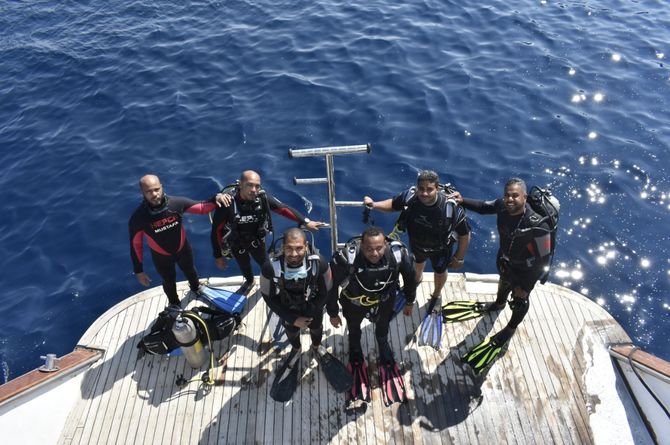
367,269
434,224
159,219
523,257
295,284
243,221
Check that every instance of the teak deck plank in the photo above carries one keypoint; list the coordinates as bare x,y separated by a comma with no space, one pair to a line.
533,394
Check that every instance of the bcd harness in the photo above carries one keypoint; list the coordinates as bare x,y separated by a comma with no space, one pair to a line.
300,291
453,216
545,208
382,289
259,208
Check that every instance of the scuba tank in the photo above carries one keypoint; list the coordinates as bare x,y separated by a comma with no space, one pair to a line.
186,335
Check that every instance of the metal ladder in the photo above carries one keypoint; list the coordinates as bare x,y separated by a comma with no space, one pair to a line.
328,153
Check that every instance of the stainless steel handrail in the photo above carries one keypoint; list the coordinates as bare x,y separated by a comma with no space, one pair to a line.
328,153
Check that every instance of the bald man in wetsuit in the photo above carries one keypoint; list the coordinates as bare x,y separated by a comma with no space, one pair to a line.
159,220
243,221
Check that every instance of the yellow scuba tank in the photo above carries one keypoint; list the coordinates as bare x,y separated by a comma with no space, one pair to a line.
187,336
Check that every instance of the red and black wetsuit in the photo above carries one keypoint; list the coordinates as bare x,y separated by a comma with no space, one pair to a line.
164,230
244,225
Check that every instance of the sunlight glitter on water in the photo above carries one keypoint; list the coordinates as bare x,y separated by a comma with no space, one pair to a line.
596,195
627,298
569,273
562,171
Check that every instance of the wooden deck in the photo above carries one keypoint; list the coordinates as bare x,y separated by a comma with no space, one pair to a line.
535,393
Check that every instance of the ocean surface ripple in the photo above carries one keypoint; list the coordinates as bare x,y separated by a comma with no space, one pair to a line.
569,94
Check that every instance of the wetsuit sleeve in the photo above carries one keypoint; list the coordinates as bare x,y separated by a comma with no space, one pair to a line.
188,205
339,270
462,228
398,202
324,284
269,293
136,248
219,220
408,276
284,210
482,207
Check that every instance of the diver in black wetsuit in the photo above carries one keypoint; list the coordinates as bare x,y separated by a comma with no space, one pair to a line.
243,221
295,286
159,219
434,225
368,274
525,248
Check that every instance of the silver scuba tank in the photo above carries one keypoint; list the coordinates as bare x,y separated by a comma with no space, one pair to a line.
187,336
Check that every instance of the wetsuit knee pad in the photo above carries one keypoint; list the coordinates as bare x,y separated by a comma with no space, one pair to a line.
520,308
520,305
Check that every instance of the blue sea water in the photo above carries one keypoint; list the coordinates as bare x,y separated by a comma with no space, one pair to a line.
570,94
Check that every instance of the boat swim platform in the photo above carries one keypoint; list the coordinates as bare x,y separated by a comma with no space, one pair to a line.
546,388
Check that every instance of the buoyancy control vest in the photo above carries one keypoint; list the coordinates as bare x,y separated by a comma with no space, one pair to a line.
296,293
365,284
451,216
545,204
544,210
251,221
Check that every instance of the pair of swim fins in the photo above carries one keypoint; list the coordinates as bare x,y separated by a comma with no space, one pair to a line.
431,326
456,311
286,376
224,299
391,383
485,353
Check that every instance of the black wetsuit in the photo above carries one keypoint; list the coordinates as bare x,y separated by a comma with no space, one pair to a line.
164,230
243,226
431,234
370,291
525,248
303,297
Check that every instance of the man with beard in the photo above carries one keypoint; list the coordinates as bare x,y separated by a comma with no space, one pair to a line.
159,220
295,285
522,259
